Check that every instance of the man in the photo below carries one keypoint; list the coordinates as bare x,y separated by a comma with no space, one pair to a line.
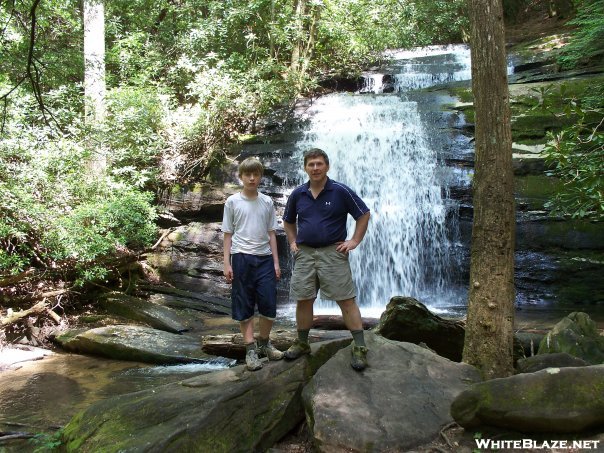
315,224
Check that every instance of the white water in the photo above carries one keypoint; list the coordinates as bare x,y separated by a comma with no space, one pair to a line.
379,147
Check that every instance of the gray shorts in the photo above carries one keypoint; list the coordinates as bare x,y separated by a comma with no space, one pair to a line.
321,268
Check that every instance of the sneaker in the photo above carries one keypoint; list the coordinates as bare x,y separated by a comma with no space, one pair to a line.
299,348
268,350
252,362
359,358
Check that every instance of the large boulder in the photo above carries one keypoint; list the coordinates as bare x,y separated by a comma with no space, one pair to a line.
407,319
542,361
137,309
578,335
558,400
138,344
226,411
400,401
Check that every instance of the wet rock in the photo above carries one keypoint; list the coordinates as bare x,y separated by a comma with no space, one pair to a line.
406,319
224,411
196,201
138,344
399,402
137,309
578,335
543,361
180,298
558,400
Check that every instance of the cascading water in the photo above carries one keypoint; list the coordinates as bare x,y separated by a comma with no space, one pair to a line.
378,146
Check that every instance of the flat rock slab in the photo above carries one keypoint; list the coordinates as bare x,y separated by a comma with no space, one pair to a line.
139,344
399,402
227,411
137,309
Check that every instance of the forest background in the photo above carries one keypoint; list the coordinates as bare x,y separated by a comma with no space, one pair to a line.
188,79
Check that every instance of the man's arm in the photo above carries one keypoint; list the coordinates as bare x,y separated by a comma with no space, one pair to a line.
292,233
228,270
272,239
359,233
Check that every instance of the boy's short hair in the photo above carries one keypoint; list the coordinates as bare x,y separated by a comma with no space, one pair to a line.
251,165
315,152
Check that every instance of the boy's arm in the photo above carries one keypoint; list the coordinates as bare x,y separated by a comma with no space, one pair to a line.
228,270
272,239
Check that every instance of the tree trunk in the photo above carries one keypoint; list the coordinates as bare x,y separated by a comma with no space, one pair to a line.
297,49
94,72
489,331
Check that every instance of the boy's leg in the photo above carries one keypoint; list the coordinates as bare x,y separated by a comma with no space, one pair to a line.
242,304
247,330
266,295
265,347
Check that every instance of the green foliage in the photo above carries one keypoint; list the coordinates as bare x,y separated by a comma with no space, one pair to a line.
575,154
52,212
133,132
587,36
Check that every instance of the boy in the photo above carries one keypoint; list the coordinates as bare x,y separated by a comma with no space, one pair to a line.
251,262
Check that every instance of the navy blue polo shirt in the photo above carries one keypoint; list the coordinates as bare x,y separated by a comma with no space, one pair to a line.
322,221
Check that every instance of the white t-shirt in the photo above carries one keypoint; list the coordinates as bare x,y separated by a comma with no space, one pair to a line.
249,221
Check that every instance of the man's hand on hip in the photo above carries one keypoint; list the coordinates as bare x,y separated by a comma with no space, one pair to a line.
346,246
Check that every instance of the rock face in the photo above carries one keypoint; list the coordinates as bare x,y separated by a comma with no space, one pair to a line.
190,258
400,401
562,400
406,319
577,335
227,411
139,344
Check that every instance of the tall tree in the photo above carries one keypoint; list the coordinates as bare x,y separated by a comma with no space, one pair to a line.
489,332
94,58
94,72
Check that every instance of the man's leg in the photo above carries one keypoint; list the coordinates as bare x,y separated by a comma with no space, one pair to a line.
352,318
304,315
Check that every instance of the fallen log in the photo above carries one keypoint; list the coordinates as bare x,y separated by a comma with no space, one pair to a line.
336,322
13,317
232,346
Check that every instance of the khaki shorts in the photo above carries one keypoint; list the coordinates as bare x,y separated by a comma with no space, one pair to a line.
321,268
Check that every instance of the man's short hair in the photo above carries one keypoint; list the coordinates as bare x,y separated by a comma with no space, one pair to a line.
251,165
315,152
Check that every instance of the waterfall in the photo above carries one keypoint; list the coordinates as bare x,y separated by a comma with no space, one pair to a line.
379,146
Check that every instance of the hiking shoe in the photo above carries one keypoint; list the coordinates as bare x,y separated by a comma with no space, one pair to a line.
359,358
252,362
268,350
299,348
